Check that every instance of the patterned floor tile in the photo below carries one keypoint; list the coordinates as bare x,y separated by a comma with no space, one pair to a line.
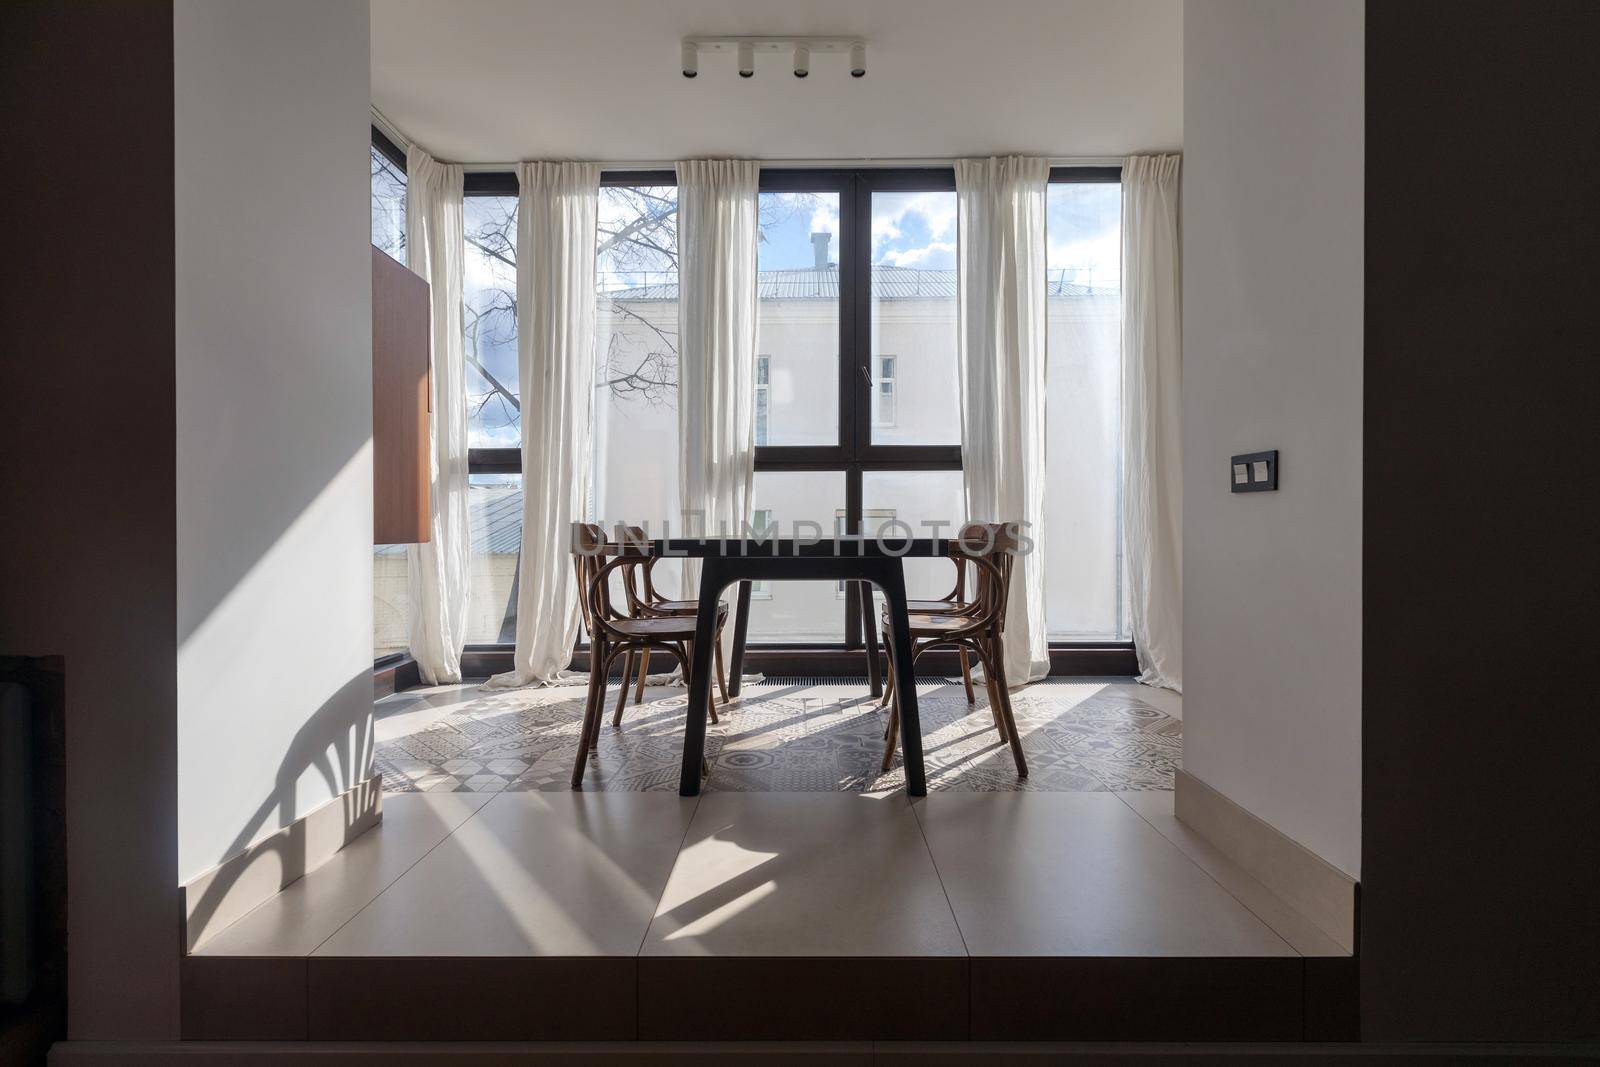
793,735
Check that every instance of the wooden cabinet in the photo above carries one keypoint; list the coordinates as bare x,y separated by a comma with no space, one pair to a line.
402,401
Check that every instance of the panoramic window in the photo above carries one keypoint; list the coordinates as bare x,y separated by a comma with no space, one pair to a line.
1085,594
856,417
391,604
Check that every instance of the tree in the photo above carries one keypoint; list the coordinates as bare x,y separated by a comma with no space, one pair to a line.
637,247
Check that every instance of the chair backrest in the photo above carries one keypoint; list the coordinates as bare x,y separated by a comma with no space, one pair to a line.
997,544
587,541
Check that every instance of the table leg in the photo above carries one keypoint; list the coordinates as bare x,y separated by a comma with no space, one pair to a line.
893,584
741,625
705,633
869,631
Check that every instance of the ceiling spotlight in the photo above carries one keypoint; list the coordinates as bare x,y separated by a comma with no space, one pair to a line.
802,59
691,59
858,59
747,59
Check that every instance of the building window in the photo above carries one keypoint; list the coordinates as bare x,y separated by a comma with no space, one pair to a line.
763,396
883,394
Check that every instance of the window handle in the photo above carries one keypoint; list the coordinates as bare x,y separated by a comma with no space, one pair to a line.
866,376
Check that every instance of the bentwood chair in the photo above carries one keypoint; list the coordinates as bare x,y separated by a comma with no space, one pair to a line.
955,602
614,632
990,550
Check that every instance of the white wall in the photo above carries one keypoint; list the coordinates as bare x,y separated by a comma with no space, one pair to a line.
1272,338
274,406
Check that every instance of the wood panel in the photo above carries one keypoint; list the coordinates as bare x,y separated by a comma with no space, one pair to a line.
401,399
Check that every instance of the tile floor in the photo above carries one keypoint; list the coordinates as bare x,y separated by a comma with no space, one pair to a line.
782,735
615,874
1076,908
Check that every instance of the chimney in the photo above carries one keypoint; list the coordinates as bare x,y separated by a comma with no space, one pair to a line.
819,249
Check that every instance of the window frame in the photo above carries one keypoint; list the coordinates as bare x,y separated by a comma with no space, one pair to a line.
853,453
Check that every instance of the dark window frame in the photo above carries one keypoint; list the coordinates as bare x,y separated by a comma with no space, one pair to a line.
853,453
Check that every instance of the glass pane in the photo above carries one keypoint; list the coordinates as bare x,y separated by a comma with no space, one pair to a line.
494,515
914,319
634,465
1084,579
931,504
489,322
390,569
391,600
799,612
797,389
388,206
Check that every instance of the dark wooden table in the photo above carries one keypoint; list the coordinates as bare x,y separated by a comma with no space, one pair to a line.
724,561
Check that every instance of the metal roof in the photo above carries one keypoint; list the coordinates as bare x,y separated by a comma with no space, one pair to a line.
888,283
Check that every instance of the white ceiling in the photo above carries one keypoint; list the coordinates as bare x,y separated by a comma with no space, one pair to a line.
501,80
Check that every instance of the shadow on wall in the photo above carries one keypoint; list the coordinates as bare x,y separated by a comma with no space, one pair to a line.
328,744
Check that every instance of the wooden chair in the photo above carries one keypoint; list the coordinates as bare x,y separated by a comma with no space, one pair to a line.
644,602
614,632
955,602
990,550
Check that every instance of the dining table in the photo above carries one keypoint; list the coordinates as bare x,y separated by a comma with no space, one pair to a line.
724,561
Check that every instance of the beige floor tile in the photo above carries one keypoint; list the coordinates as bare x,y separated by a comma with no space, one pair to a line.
1301,933
1078,874
550,874
297,920
803,874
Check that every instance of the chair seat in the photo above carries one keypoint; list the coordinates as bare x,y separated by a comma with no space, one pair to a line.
685,607
933,607
935,625
673,628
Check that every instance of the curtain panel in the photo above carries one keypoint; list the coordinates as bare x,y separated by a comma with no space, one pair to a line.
1152,445
556,232
1001,354
718,230
439,567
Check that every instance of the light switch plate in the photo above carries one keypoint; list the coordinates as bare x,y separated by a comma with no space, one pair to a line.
1260,470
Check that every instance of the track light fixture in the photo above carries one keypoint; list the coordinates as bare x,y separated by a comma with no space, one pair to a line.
801,48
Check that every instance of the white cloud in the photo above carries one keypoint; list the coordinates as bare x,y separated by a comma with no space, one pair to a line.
825,219
917,257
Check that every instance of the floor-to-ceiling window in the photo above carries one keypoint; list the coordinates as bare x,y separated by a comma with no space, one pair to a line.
391,602
857,403
1085,594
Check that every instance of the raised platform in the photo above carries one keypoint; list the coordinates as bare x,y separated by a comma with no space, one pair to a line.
771,916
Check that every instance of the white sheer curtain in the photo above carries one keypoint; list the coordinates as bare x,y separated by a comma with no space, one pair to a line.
434,249
556,220
1001,286
1152,380
718,228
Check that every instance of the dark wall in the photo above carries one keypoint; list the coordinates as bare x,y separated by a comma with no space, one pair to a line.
1481,812
87,503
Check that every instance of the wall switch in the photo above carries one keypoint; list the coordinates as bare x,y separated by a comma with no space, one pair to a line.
1255,472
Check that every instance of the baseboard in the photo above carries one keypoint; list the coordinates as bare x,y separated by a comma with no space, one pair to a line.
223,894
1305,881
